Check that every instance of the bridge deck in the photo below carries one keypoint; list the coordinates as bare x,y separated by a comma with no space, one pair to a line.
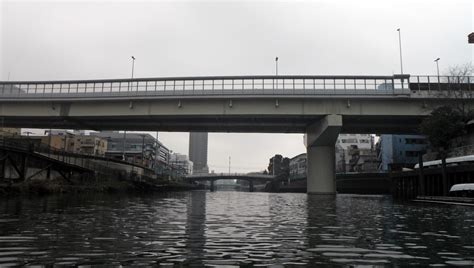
276,104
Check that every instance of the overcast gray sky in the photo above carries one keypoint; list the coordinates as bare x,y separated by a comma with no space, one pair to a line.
86,40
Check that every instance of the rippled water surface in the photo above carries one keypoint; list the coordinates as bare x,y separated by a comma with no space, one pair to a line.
233,228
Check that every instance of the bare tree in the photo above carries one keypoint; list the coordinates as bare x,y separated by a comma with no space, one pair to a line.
456,89
453,110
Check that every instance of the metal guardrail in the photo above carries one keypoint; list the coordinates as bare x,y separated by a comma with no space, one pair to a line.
441,83
215,85
88,162
229,175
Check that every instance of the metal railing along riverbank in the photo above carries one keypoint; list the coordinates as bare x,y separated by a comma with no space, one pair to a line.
98,164
213,85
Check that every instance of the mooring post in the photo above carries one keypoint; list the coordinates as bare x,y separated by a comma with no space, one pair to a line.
24,167
48,173
212,186
4,162
421,178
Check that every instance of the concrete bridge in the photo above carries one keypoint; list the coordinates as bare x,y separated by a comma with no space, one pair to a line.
319,106
212,177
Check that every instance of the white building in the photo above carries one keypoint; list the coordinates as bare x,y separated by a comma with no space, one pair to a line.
362,141
355,152
181,163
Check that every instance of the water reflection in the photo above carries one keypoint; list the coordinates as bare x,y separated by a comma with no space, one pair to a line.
196,227
233,228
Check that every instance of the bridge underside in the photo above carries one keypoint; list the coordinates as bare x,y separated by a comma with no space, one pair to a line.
262,115
248,123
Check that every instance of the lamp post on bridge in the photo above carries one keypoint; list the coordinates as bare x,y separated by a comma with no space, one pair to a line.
133,65
276,66
437,66
125,132
400,45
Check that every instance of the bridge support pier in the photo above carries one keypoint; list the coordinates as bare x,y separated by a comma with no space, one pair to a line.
212,187
251,188
320,145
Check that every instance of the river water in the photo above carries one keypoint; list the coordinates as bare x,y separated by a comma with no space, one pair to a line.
233,228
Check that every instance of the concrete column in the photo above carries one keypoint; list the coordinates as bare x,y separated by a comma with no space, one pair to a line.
320,145
212,186
321,177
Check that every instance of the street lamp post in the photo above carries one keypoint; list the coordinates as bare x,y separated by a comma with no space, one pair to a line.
276,66
133,65
400,45
125,132
437,66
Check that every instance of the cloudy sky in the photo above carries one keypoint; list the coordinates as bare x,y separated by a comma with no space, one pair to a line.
53,40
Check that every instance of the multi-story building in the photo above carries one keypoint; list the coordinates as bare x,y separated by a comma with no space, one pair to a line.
69,142
198,151
355,153
91,145
298,166
362,141
162,153
139,148
181,164
400,151
61,140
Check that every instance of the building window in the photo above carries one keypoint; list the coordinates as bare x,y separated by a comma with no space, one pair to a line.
349,140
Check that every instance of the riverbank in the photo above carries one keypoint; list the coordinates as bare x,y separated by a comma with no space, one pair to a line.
348,183
58,186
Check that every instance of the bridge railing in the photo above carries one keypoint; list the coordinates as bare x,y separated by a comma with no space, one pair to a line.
218,85
441,83
228,175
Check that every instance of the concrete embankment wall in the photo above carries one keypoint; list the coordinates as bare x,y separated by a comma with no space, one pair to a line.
350,183
363,183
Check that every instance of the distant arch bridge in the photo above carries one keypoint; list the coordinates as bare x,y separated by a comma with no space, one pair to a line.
212,177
